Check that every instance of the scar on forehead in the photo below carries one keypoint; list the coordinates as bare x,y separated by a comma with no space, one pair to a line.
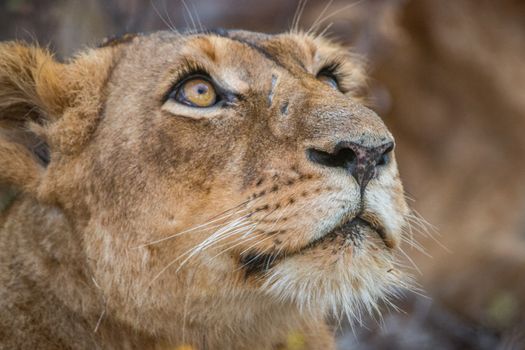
272,89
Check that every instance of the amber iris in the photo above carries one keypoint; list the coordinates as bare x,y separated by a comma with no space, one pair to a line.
198,92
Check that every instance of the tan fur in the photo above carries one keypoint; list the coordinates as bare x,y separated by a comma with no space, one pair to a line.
110,245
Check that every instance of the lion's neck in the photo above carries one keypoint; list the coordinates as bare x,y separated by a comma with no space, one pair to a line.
47,286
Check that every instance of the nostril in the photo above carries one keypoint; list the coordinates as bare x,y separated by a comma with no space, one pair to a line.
384,159
360,161
340,159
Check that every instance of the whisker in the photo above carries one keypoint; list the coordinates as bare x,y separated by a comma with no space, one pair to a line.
168,16
216,237
319,21
416,216
185,309
417,246
192,229
192,251
152,2
238,241
323,32
257,222
269,237
220,234
193,25
250,232
413,243
426,229
409,197
297,15
411,261
323,11
213,219
201,27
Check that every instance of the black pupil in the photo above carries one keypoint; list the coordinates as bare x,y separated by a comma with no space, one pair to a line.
202,89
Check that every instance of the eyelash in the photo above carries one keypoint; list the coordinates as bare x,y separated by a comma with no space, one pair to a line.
332,67
335,70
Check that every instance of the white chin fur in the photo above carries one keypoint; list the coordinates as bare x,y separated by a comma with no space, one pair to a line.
353,283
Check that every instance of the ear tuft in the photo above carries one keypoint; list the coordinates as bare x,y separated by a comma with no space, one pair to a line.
47,107
31,85
32,93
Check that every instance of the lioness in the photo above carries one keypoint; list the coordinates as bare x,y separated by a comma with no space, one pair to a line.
214,190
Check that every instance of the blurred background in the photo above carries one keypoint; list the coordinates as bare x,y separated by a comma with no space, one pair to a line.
448,77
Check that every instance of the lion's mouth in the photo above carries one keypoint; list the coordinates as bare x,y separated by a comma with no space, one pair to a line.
355,230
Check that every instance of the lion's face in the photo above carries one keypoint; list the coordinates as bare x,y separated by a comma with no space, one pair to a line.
282,189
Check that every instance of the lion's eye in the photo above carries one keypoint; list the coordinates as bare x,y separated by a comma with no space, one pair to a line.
329,79
197,92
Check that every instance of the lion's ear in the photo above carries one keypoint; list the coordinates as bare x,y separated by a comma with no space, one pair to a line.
33,93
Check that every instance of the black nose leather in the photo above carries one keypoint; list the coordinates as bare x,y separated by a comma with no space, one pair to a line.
360,161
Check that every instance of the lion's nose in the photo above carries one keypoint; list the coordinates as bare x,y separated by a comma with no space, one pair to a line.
360,161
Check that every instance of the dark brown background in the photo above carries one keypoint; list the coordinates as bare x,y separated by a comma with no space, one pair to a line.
449,79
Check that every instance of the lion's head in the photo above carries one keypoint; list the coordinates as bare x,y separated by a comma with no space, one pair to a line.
214,170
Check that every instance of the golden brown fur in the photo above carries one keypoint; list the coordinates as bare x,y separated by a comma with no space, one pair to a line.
156,224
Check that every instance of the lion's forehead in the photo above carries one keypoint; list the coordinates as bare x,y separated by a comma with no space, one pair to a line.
239,56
